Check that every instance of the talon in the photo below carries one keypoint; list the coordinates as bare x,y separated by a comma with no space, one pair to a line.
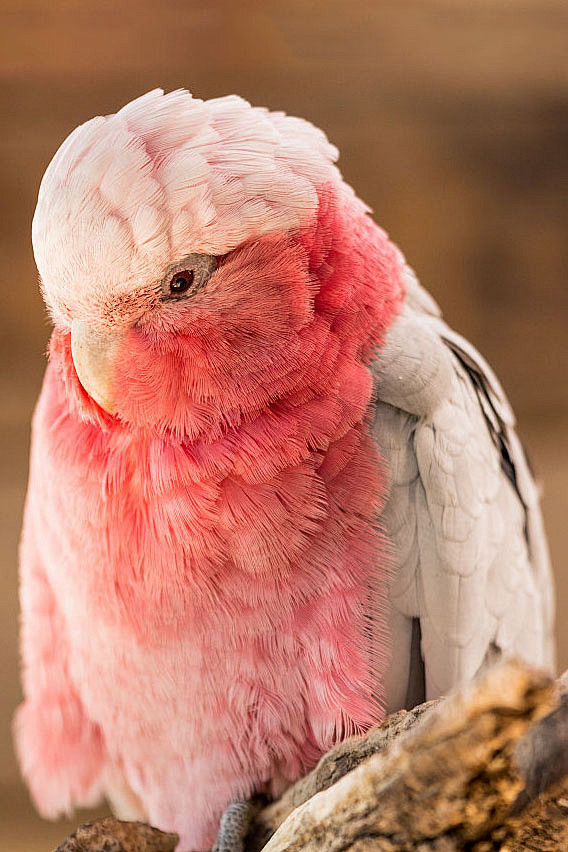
235,824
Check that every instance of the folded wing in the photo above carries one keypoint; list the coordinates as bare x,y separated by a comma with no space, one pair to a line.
472,575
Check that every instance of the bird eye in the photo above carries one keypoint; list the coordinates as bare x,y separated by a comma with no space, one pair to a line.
181,281
187,276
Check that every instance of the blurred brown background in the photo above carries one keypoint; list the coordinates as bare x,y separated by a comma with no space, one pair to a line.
452,121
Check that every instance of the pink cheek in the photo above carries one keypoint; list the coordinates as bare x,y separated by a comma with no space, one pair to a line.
137,379
152,381
191,365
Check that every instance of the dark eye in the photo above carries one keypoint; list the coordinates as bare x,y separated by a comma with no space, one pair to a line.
181,281
185,278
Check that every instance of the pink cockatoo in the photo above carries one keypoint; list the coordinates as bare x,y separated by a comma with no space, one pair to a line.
272,495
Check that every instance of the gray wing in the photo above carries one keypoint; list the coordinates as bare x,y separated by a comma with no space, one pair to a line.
472,575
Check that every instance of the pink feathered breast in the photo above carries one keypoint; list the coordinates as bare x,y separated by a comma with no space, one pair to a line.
214,554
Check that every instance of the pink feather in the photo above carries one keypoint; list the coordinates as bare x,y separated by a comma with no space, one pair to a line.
198,571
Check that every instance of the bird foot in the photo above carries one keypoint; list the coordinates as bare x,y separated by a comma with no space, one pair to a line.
235,824
114,835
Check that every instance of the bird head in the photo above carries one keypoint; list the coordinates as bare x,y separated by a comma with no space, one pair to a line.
175,244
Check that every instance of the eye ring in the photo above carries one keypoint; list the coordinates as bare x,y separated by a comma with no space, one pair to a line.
187,277
181,281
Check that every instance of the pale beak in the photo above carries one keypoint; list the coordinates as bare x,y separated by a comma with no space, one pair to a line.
94,355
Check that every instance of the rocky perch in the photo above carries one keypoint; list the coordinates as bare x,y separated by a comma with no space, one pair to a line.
484,769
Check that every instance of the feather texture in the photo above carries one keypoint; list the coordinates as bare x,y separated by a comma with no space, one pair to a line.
472,562
203,577
208,558
165,176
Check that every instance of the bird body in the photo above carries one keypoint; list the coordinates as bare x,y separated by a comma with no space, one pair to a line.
204,577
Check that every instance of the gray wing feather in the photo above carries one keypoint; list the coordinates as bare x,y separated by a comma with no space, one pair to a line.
471,557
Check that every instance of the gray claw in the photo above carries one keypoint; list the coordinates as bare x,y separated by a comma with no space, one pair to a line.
235,824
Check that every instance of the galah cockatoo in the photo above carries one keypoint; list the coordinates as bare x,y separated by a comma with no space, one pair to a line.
272,495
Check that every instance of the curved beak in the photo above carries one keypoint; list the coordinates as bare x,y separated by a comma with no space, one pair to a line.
94,355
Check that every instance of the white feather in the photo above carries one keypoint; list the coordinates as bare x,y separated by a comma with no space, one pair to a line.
465,566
